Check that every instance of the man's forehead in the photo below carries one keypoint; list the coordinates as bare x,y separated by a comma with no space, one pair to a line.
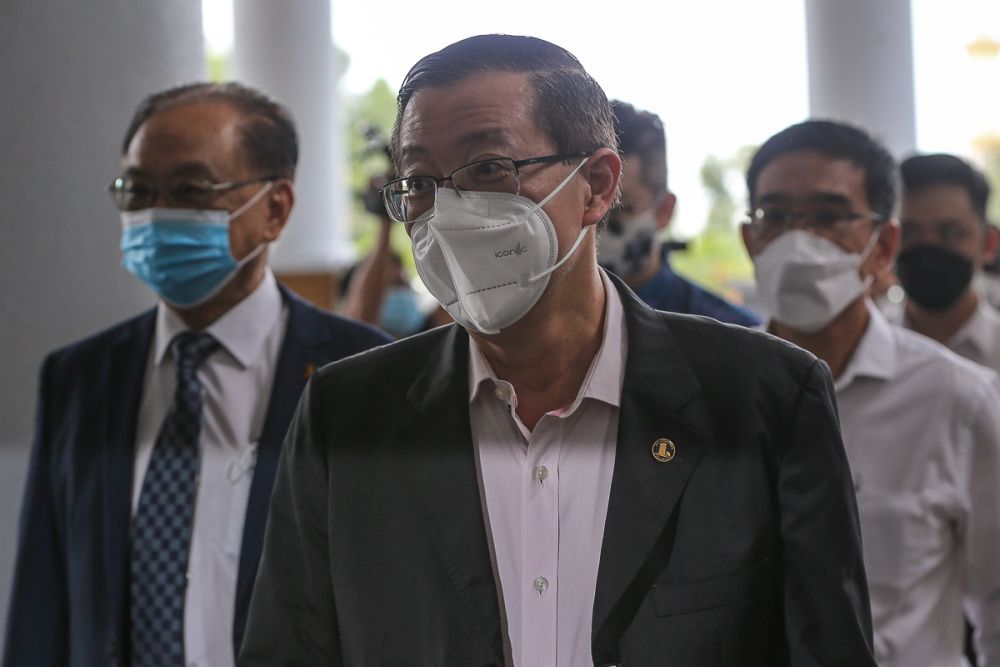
187,137
488,111
939,197
810,173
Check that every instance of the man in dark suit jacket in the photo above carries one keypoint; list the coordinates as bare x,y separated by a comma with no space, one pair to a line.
73,599
566,476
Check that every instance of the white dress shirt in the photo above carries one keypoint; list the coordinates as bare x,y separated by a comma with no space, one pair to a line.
921,427
236,381
979,339
545,496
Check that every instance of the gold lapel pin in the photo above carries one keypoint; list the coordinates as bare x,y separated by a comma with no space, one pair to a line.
664,450
310,369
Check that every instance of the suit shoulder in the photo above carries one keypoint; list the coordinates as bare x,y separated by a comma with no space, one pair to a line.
345,335
704,337
96,344
396,359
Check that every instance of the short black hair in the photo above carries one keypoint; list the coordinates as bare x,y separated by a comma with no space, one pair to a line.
921,171
268,131
569,105
641,134
839,141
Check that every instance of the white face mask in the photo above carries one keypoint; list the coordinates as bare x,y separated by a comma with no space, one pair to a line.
805,280
487,256
626,246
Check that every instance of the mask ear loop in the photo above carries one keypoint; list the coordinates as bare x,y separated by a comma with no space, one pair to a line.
524,280
250,202
872,242
240,211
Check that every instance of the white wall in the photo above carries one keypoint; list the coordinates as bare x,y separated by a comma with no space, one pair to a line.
72,73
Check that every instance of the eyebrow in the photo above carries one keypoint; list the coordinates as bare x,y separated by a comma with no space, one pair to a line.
817,197
498,137
936,222
193,168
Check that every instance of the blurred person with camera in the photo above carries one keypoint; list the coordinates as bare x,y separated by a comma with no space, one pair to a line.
630,245
376,289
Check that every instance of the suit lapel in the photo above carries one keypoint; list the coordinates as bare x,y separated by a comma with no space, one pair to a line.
297,359
446,492
123,387
660,399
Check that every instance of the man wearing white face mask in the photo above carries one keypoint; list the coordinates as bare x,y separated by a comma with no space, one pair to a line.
565,476
921,425
158,439
630,246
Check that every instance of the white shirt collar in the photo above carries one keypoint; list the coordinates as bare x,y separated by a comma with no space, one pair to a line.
606,374
242,330
875,355
978,332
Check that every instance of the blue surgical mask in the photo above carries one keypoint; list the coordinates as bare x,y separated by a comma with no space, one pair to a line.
400,314
183,254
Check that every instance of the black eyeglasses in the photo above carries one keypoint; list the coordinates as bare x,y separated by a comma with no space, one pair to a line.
407,199
771,221
130,193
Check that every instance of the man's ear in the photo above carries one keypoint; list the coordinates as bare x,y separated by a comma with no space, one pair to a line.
883,254
746,233
280,201
665,210
991,241
602,173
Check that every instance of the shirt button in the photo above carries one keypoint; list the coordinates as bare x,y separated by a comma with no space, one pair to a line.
540,584
502,392
541,473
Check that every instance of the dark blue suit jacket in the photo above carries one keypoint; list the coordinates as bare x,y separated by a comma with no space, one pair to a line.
69,601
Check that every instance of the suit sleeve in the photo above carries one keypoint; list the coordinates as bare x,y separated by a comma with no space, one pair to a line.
826,607
38,609
292,618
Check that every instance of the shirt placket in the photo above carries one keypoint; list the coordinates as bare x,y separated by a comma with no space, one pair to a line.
540,493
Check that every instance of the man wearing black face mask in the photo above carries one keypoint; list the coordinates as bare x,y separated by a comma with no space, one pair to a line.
945,241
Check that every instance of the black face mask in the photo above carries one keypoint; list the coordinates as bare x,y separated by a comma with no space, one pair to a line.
932,276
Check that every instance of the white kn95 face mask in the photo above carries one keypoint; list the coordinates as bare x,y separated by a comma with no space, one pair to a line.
805,280
487,256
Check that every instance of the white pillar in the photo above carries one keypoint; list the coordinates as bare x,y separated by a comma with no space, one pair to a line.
861,67
285,50
71,77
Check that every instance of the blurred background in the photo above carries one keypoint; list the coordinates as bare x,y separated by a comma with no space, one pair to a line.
722,74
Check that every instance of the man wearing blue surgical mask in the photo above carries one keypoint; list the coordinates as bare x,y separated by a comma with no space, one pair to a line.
921,426
158,438
630,245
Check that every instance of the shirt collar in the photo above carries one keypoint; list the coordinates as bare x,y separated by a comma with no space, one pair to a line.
875,355
241,330
978,331
606,374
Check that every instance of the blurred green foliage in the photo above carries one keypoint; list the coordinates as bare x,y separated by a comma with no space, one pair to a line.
217,65
716,258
